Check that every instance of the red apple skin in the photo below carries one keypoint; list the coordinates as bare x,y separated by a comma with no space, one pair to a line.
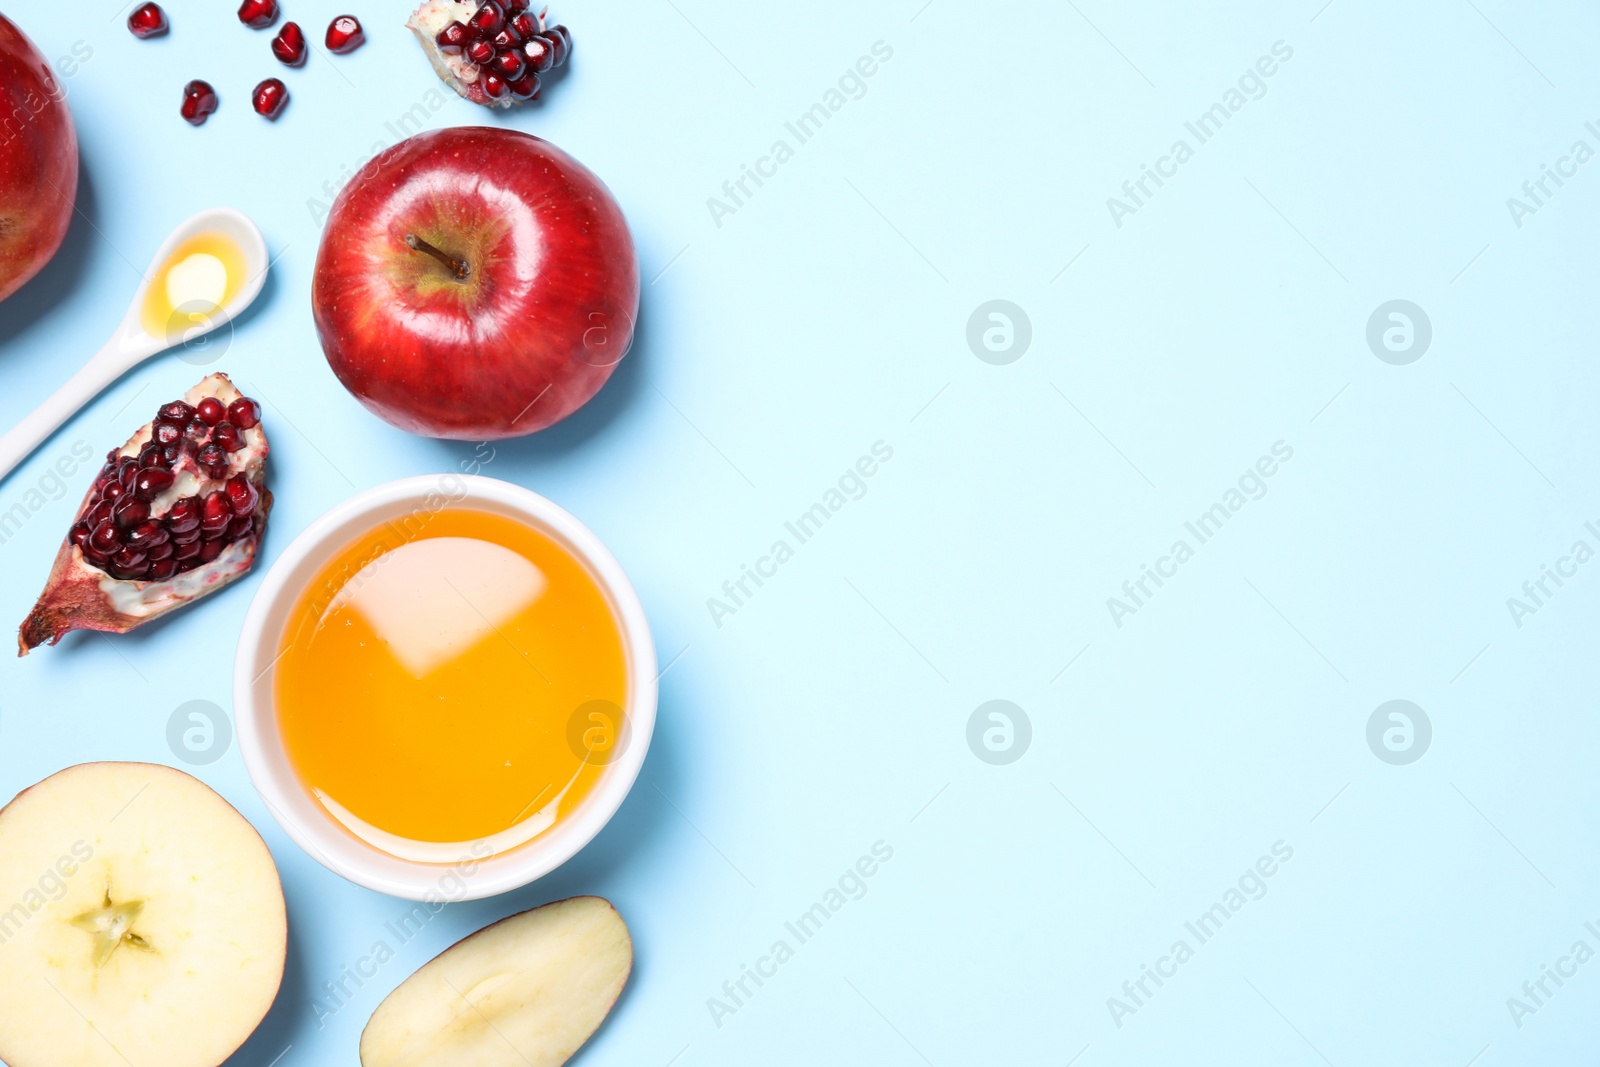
546,311
38,160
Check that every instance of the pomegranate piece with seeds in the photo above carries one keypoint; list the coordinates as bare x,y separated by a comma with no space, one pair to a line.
258,14
154,533
268,99
290,45
147,20
199,101
491,52
344,35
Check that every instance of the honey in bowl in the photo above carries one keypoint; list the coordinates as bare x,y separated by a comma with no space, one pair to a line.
433,683
201,276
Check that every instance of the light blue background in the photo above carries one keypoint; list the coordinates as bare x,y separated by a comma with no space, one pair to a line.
830,313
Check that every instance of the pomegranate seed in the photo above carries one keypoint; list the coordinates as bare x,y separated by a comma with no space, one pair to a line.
268,99
453,38
258,14
172,454
494,86
79,533
177,411
244,413
150,456
128,474
107,474
290,44
540,54
98,514
344,35
561,39
199,101
213,460
211,411
189,550
147,21
239,527
480,52
152,482
106,537
526,87
525,24
192,537
184,515
167,432
214,510
506,38
162,569
210,550
127,558
147,534
242,496
197,430
129,511
111,492
509,66
160,550
488,19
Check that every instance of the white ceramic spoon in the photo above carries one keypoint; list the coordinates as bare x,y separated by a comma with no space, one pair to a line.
132,344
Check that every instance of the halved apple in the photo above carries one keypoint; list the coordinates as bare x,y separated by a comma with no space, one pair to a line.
525,992
141,921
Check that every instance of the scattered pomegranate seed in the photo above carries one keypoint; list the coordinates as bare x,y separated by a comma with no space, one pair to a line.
268,99
152,482
290,44
488,19
244,413
147,20
199,101
345,35
258,14
453,38
210,410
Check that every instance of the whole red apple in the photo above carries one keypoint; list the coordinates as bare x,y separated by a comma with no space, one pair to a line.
475,283
38,160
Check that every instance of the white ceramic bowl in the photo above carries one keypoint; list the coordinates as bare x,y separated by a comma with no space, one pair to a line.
304,819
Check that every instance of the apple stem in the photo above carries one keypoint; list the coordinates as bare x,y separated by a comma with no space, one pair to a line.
458,267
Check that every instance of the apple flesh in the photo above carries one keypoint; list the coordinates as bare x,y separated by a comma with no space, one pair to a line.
475,284
38,160
525,992
141,921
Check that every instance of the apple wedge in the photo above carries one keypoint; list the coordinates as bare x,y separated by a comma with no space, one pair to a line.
142,921
525,992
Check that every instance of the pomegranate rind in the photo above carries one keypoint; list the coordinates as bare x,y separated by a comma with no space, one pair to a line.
454,70
81,596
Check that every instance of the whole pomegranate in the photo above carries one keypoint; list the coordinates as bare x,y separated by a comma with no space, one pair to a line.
38,160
